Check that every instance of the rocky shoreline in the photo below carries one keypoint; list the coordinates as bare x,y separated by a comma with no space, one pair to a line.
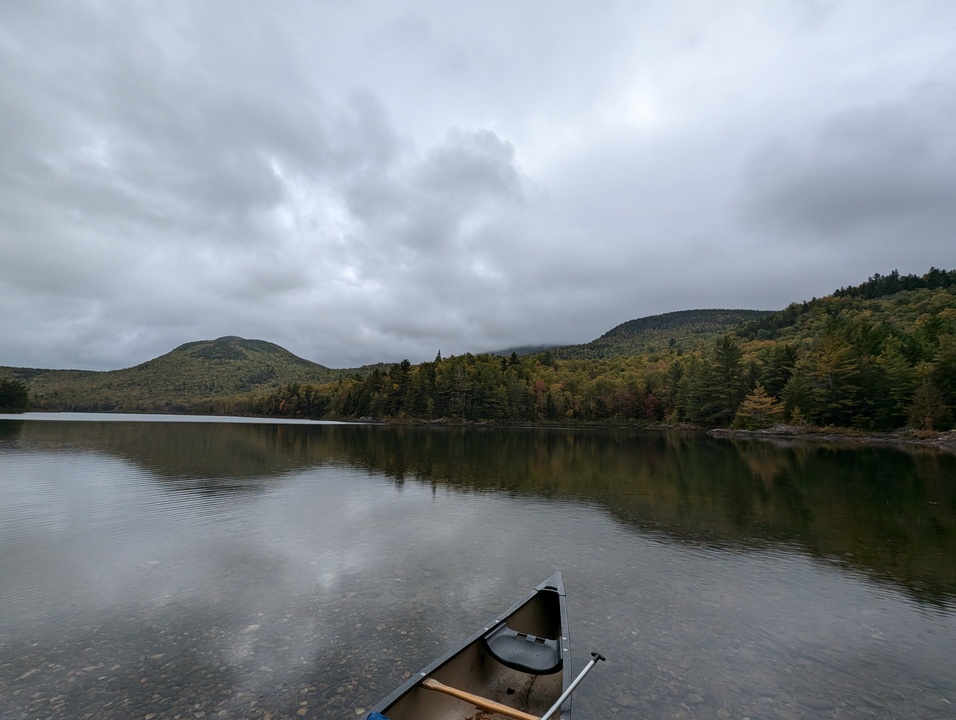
786,434
779,434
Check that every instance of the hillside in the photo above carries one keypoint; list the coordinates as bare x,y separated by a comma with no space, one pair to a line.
223,375
682,330
878,356
197,376
894,303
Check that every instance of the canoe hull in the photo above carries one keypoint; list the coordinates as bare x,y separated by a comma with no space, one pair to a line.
474,667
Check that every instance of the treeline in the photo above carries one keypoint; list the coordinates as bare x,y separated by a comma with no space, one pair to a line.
878,356
883,285
864,366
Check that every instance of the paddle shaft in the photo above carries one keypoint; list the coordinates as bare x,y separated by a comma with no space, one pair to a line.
477,700
564,696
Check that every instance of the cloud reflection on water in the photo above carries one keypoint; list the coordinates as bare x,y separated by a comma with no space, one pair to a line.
324,563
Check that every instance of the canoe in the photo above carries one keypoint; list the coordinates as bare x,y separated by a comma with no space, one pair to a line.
516,666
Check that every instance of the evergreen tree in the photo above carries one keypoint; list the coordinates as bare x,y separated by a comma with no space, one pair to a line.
898,382
831,367
944,372
14,396
798,396
716,391
778,362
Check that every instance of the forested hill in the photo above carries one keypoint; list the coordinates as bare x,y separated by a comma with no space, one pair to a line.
183,380
675,330
237,364
877,356
896,300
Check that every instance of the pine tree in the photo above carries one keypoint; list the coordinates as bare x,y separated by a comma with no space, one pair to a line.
14,396
832,368
899,381
715,391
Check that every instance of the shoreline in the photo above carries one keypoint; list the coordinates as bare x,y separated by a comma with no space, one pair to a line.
777,434
791,434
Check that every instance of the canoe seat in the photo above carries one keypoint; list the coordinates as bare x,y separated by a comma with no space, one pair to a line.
523,652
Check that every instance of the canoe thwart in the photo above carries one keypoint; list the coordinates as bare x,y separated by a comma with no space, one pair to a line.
477,700
524,652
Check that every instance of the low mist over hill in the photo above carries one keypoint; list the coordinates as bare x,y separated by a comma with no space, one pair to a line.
683,329
880,355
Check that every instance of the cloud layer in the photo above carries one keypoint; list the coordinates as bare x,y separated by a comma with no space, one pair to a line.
365,182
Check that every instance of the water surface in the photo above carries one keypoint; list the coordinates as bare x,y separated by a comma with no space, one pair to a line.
254,570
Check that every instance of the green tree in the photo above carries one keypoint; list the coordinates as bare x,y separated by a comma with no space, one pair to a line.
714,392
14,396
797,396
898,383
944,372
831,367
777,364
398,389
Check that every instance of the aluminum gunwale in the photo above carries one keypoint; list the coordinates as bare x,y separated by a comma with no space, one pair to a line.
555,583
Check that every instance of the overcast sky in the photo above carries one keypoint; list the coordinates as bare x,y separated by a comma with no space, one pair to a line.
372,181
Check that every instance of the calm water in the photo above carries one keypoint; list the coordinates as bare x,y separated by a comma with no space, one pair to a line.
244,570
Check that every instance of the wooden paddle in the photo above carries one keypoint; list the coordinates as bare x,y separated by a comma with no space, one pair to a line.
511,712
477,700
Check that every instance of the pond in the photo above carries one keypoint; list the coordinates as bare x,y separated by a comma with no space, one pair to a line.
163,567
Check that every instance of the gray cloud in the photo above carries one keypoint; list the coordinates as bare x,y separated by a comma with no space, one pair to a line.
364,182
865,167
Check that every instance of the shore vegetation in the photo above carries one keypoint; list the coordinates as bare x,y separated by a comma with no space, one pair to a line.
879,356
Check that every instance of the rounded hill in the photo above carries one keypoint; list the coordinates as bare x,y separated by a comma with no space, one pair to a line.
198,376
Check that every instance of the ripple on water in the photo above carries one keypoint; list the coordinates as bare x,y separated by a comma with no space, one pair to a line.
132,589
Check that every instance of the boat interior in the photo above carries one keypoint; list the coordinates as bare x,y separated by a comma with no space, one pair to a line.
516,664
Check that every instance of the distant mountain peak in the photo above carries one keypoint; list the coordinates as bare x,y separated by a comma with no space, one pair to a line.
233,347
